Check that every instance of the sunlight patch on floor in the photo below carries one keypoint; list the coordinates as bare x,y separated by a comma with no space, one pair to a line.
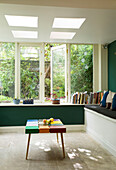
84,150
92,158
77,166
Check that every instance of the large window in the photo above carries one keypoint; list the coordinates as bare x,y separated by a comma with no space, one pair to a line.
43,70
81,68
30,81
7,71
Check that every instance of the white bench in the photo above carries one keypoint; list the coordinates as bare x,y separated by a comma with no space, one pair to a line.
102,128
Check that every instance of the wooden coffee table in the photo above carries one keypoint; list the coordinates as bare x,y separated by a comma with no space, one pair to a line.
35,126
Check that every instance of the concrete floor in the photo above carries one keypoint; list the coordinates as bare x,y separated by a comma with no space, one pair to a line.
82,152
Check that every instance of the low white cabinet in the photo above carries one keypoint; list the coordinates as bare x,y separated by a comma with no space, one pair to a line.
102,129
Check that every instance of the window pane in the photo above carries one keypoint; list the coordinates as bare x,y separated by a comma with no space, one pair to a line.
81,68
29,72
57,51
7,74
58,71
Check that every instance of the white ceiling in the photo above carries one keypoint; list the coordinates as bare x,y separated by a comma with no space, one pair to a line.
98,4
99,27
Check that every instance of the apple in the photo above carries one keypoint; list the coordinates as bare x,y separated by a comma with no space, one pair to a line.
51,119
44,121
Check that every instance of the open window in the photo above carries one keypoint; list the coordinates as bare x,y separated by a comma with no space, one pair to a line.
58,71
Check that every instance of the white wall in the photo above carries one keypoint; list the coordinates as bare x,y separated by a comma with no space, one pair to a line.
100,68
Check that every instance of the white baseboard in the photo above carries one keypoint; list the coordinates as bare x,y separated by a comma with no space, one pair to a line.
12,129
75,128
21,129
108,146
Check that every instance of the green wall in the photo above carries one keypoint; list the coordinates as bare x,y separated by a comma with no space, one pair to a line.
17,115
112,66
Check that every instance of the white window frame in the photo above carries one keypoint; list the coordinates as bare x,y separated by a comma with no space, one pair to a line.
52,49
42,74
68,73
17,69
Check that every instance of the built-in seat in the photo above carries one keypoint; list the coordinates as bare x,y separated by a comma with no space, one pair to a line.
102,110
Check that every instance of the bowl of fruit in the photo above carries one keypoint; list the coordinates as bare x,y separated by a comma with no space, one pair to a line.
48,121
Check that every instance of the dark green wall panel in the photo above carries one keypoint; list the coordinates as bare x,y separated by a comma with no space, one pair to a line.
112,66
17,115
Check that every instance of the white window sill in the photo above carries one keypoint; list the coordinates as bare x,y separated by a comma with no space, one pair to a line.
40,104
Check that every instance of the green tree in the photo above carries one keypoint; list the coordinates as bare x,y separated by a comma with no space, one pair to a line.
81,68
29,72
7,69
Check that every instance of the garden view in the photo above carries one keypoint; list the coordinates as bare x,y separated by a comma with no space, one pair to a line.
81,70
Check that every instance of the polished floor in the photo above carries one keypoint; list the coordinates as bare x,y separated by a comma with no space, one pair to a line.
82,152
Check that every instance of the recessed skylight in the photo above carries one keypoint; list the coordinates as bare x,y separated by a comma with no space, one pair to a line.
62,35
74,23
22,21
25,34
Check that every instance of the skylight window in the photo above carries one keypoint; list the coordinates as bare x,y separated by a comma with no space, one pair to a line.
25,34
74,23
22,21
62,35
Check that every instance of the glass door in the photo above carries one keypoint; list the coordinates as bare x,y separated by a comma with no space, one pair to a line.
58,72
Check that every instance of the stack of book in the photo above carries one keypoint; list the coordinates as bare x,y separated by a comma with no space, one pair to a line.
80,98
97,97
85,98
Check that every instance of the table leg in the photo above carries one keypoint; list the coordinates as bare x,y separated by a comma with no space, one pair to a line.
62,145
28,145
57,138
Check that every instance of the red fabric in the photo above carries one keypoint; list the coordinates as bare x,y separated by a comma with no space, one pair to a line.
57,129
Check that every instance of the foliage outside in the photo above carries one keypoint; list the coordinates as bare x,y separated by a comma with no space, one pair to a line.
7,71
5,98
81,68
81,71
29,72
59,72
58,62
